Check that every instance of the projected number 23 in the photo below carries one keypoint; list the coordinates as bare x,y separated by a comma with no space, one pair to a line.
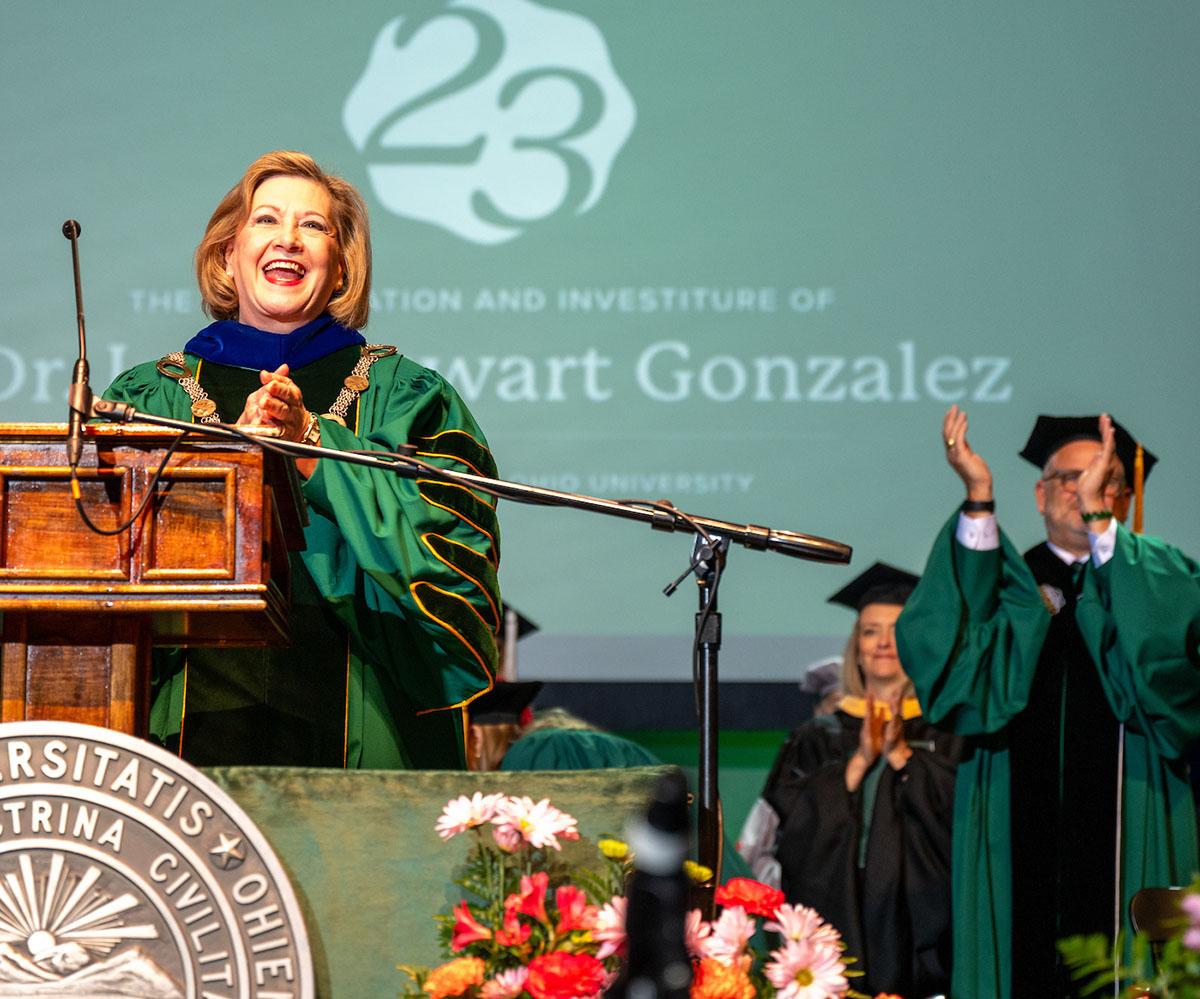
469,120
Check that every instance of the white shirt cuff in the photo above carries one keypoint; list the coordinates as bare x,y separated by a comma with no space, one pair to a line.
1103,545
979,534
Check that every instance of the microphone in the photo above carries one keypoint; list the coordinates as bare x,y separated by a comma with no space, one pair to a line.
658,965
79,397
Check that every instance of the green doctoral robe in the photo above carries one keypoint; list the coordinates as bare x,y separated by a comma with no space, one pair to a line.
395,603
971,636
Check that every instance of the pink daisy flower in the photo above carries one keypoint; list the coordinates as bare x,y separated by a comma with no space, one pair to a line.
695,931
609,930
506,985
463,813
731,931
538,824
802,969
799,922
507,838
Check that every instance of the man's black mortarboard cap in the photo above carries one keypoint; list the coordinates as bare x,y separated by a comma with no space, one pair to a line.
503,703
1052,432
880,584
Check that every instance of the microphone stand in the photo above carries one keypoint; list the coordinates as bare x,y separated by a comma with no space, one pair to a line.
79,397
707,564
708,559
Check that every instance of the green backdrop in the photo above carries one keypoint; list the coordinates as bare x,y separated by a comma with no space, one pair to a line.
739,255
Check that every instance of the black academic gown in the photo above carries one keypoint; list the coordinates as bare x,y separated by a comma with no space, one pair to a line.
1064,794
876,863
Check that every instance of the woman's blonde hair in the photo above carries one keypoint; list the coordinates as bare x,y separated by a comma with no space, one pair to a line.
350,303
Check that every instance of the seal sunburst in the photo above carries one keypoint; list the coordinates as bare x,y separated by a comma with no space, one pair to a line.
57,912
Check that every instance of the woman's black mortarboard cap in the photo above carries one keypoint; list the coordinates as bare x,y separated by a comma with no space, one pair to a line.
880,584
503,703
1052,432
525,627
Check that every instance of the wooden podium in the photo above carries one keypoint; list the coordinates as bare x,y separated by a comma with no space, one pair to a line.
205,564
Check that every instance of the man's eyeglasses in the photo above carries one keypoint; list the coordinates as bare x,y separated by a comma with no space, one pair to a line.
1069,480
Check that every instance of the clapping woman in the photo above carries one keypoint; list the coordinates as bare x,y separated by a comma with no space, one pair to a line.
864,799
394,599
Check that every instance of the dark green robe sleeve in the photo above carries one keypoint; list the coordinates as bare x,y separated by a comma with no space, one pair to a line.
1139,614
408,565
970,635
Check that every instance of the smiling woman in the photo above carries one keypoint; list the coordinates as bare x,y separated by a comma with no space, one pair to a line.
284,260
858,806
394,600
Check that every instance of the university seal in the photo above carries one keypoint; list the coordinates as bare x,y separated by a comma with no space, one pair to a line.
126,872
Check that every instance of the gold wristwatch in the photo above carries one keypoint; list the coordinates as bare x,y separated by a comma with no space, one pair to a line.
312,431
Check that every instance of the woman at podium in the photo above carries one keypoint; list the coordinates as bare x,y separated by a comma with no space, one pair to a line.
394,600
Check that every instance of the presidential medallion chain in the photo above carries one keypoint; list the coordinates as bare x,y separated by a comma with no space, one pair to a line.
204,409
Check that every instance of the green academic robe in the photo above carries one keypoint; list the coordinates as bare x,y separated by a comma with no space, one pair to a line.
395,603
971,636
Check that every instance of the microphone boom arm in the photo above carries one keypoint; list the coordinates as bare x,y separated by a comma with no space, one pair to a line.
659,517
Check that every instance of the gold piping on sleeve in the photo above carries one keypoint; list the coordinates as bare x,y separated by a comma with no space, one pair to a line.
412,588
460,704
491,557
456,430
346,709
199,365
465,575
183,706
451,457
346,706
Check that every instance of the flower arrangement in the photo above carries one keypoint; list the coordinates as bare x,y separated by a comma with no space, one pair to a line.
530,926
809,962
524,928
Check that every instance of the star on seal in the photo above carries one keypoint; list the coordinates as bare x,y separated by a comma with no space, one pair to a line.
227,854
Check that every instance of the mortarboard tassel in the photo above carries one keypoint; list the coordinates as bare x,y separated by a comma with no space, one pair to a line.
1139,488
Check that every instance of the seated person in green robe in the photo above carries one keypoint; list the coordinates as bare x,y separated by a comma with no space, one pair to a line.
394,605
1074,674
501,737
494,722
863,799
504,734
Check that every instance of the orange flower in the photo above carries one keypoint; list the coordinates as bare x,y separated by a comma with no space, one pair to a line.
888,995
755,897
714,980
559,975
454,977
